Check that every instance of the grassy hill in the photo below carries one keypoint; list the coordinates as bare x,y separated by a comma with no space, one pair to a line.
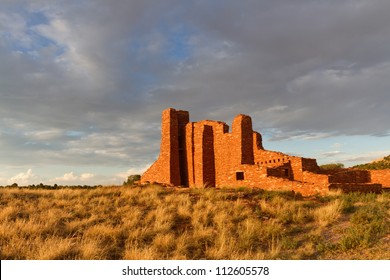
376,165
166,223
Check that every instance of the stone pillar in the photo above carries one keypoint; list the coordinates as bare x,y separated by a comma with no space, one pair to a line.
169,150
242,137
167,168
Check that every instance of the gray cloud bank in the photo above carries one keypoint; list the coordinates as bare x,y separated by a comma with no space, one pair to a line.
84,82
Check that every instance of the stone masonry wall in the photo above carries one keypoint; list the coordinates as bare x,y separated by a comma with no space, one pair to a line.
356,187
167,167
351,176
381,177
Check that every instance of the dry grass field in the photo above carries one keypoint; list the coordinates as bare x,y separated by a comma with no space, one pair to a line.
153,222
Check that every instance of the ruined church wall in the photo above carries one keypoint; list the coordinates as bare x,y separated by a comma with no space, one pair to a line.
351,176
310,164
222,151
270,158
204,157
166,168
282,171
296,168
319,181
381,177
207,148
356,187
255,176
242,140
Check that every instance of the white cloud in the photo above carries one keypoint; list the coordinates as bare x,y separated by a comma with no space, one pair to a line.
336,145
24,178
351,158
86,176
73,178
331,154
44,134
67,177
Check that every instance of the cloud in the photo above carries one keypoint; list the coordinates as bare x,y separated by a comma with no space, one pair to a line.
44,134
351,158
331,154
24,178
337,145
71,178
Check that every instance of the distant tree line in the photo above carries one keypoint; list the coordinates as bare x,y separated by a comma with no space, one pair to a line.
52,187
332,166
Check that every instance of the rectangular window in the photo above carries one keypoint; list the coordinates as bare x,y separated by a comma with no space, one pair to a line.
239,175
286,172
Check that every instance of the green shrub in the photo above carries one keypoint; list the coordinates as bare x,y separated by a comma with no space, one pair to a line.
132,179
332,166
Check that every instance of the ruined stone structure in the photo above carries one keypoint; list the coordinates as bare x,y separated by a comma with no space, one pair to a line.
206,154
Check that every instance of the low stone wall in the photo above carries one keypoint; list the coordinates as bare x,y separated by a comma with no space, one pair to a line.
364,188
351,176
381,177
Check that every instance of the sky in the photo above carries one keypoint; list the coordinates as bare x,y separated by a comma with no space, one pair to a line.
83,82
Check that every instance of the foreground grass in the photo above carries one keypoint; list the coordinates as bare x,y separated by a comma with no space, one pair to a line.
163,223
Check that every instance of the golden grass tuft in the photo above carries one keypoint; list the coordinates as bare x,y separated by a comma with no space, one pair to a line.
328,213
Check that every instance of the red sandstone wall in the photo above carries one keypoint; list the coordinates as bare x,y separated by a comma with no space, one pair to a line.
351,176
207,153
318,181
242,137
356,187
204,156
167,167
222,153
381,177
310,164
281,171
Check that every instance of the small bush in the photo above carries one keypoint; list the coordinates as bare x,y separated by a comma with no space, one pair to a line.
132,179
332,166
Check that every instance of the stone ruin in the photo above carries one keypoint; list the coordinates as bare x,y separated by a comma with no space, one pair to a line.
206,154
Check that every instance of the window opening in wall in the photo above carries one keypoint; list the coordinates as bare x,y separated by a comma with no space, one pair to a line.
239,175
286,172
